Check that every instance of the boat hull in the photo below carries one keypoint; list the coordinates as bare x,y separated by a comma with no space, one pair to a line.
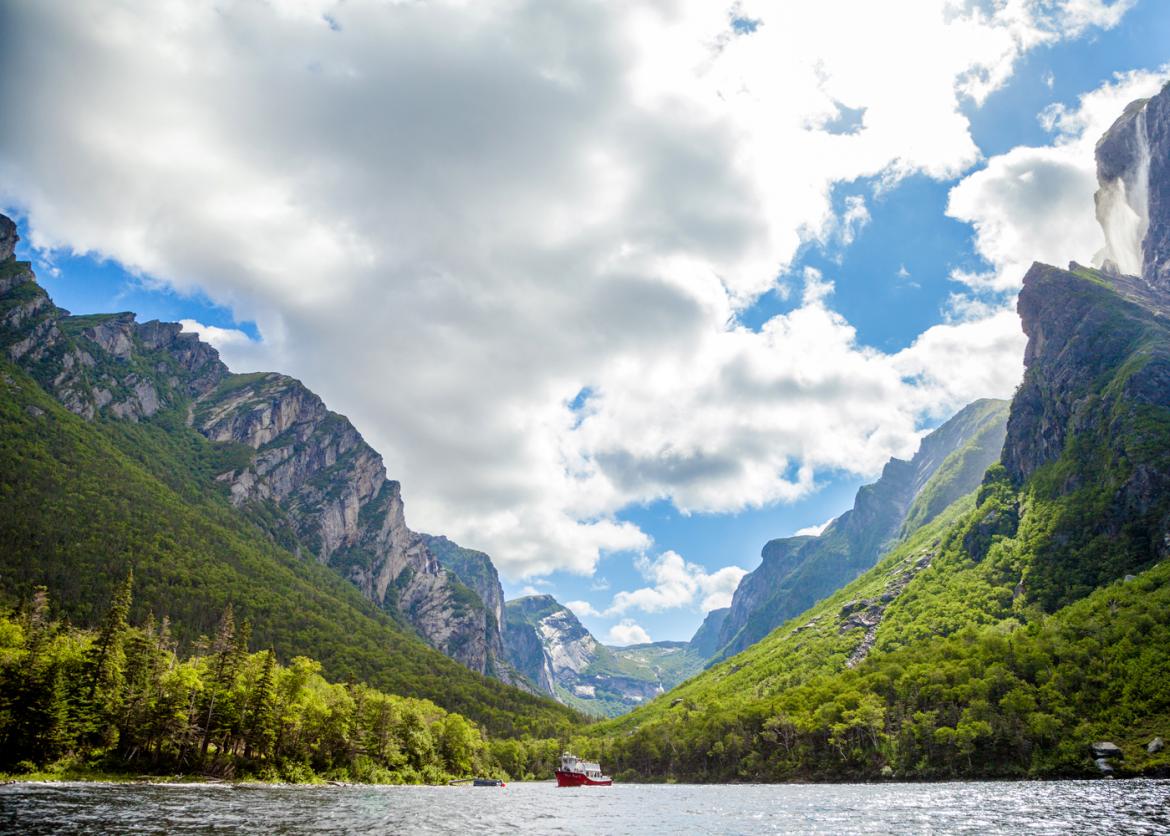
580,779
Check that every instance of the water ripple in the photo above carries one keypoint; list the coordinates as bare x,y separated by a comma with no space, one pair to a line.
1034,808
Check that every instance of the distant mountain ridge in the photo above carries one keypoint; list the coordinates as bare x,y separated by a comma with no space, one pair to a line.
547,643
798,571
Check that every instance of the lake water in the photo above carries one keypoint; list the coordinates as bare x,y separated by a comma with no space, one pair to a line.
1137,806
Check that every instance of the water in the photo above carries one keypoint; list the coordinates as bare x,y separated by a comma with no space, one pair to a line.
1138,806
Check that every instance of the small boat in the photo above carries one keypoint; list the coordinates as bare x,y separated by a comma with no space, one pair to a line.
488,782
575,772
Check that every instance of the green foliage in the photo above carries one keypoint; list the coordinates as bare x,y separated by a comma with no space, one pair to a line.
1001,700
82,503
221,711
999,640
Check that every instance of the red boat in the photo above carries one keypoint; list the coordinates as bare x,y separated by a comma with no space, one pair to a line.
575,772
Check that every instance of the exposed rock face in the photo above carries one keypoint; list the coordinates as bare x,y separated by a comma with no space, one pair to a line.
706,639
525,650
8,238
105,365
1092,402
798,571
475,571
299,462
867,613
315,466
1133,198
547,643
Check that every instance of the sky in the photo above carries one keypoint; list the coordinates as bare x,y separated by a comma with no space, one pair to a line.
620,291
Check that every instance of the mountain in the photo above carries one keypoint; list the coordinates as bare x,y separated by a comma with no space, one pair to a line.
301,470
798,571
131,445
705,642
1025,630
548,644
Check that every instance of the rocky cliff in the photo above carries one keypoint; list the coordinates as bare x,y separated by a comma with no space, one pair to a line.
795,572
300,470
705,642
1133,198
549,645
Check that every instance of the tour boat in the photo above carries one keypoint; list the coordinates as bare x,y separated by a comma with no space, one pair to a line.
575,772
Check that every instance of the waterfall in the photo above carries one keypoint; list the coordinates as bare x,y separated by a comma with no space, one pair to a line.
1123,207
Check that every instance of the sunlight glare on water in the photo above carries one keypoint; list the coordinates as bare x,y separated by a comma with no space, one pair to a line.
1138,806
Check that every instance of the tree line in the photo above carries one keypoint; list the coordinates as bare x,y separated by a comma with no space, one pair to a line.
121,699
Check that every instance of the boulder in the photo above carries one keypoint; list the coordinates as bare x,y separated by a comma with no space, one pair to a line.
1105,749
1156,745
1103,765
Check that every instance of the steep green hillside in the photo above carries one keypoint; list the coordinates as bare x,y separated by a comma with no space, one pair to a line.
1029,620
796,572
81,502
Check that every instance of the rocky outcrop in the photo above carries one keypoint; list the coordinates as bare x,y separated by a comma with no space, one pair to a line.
299,468
8,238
867,613
105,365
795,572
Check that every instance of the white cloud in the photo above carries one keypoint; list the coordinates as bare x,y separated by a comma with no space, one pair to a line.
221,338
627,631
1036,204
530,590
813,530
581,609
677,583
448,219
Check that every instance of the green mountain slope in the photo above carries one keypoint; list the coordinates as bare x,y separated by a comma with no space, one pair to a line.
1024,623
798,571
81,502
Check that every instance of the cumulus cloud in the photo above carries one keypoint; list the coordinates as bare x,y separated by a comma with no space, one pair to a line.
237,349
450,219
813,530
1036,203
677,583
581,608
627,631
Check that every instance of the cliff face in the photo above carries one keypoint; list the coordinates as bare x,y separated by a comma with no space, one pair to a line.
547,643
706,639
303,471
1133,198
476,574
1088,430
798,571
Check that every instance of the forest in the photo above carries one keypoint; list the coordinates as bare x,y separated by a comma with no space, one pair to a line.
120,700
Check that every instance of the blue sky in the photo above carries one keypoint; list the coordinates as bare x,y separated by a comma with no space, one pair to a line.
314,267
